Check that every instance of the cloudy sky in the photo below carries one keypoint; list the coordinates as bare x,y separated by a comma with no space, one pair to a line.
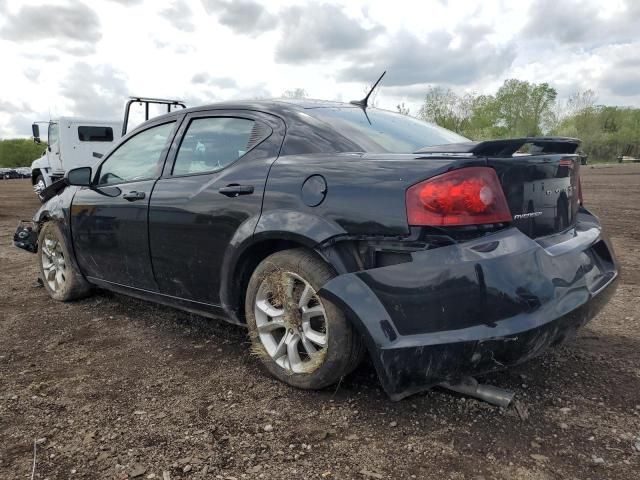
75,57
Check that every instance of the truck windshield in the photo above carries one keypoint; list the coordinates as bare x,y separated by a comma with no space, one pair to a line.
384,131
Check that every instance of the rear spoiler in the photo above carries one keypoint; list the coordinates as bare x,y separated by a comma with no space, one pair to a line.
507,147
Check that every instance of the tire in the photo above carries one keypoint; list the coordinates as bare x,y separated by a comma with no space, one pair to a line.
281,305
60,279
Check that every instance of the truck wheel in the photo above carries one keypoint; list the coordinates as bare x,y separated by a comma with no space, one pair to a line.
301,339
60,278
39,186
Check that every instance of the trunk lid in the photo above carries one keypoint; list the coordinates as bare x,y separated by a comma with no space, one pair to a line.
541,191
541,187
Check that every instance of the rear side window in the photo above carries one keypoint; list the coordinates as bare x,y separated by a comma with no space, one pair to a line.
95,134
210,144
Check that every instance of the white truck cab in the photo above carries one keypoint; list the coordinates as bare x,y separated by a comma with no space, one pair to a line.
72,142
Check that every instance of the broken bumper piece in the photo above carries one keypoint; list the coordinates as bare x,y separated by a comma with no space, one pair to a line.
477,306
26,236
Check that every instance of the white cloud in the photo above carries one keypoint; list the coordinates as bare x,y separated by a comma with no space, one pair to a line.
433,59
94,91
314,33
85,57
244,17
73,27
179,15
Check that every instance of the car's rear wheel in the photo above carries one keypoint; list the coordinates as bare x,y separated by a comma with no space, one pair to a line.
61,280
303,340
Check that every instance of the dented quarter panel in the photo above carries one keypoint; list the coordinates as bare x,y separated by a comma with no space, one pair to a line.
365,192
302,228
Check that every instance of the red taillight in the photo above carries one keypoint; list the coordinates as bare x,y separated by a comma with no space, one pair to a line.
469,196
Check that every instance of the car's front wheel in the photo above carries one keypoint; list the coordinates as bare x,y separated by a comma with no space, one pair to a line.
303,340
61,280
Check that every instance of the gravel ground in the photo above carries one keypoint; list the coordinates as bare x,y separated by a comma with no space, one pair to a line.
111,387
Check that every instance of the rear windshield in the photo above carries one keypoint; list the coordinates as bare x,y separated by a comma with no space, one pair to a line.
385,131
95,134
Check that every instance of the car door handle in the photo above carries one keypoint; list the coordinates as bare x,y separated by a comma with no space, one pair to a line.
234,190
133,196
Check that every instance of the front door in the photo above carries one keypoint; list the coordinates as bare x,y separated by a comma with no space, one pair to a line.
213,188
109,220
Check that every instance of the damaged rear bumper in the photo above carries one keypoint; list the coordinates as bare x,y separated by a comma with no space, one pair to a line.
477,306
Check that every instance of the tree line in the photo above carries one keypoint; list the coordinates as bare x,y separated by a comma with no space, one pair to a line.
524,109
19,152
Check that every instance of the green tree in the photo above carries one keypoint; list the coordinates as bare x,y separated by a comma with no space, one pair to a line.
524,109
19,152
445,108
482,122
606,132
517,109
521,109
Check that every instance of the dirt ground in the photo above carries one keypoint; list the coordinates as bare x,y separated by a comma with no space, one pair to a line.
111,387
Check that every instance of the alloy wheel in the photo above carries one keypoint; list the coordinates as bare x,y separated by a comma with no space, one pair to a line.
291,322
53,263
39,187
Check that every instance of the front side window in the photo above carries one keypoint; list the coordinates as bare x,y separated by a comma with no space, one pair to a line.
95,134
137,158
210,144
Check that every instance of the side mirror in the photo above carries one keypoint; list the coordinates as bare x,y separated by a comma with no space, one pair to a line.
80,177
35,130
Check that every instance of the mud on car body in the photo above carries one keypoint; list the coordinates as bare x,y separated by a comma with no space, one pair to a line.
331,230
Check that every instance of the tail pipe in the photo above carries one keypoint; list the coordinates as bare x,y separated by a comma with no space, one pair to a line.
490,394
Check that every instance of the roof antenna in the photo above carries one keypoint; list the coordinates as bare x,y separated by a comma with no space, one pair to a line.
364,103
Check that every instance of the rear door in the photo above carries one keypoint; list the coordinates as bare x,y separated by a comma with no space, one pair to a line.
109,221
212,185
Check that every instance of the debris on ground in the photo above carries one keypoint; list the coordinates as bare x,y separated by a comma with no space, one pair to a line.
521,409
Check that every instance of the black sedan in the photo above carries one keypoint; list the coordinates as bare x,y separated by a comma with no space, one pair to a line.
333,230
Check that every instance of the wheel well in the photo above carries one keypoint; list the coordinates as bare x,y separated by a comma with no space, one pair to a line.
34,175
248,263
